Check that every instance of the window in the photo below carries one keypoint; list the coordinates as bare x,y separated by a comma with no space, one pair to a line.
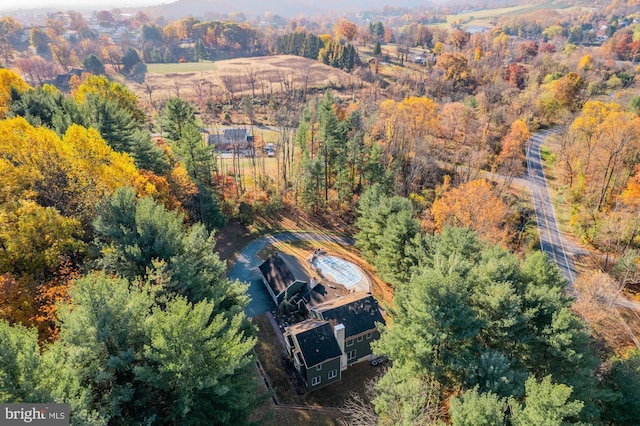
350,342
315,381
332,374
360,338
369,336
351,355
318,367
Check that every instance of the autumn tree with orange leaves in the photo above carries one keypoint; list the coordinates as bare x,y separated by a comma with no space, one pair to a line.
472,205
510,161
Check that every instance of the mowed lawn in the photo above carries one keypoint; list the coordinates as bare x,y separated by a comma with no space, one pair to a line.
183,67
226,165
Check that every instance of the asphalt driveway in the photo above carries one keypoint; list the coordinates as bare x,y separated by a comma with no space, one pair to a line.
246,266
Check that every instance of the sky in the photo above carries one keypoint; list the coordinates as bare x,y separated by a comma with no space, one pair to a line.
76,4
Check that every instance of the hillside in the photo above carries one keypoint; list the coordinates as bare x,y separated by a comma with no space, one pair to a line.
268,74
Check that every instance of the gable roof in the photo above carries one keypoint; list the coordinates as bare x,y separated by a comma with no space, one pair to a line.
236,134
357,313
282,270
316,341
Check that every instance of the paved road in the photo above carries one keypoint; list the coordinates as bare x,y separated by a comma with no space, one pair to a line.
246,266
551,241
560,251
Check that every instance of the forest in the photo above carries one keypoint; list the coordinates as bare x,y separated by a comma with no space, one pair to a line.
115,299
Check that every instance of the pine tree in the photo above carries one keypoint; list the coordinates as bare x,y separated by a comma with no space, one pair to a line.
475,315
19,364
473,408
124,359
177,113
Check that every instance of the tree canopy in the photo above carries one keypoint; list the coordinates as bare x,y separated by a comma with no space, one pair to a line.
474,315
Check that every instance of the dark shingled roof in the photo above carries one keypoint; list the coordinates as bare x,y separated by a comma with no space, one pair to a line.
236,134
357,315
317,342
282,270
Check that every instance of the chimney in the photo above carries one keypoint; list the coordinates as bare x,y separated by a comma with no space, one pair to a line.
338,331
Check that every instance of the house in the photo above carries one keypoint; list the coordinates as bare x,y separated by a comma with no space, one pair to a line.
340,324
283,276
358,313
348,324
232,140
315,352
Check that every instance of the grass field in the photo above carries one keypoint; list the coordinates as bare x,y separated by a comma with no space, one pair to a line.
224,78
225,165
482,17
184,67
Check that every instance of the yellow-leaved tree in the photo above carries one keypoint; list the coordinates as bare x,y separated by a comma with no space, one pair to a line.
8,80
99,85
49,187
600,152
408,129
70,174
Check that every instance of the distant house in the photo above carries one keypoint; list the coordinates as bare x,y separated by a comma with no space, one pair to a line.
63,81
283,276
232,140
316,354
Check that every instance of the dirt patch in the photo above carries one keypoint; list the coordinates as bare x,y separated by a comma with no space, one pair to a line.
230,239
270,74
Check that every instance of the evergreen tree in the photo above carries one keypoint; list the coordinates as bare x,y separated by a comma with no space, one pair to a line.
19,364
546,404
198,160
115,124
622,382
139,362
134,232
46,106
176,114
136,236
311,184
407,398
200,51
473,408
375,208
330,138
394,261
93,65
130,59
147,154
377,50
473,315
196,155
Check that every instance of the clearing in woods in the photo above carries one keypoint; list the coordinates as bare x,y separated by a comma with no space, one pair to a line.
234,77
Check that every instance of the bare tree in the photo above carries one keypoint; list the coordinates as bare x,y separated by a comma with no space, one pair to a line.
229,84
176,87
250,77
597,296
149,89
200,88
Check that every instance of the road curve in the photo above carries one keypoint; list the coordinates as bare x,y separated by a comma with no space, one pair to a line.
246,265
551,241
